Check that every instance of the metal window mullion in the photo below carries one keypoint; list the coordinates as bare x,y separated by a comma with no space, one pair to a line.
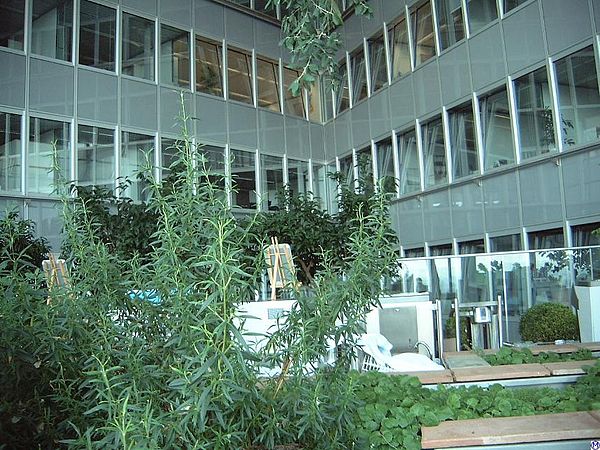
228,181
156,50
119,42
466,26
258,180
478,132
72,150
436,31
420,153
348,82
286,178
367,66
311,180
117,152
388,54
446,131
396,156
24,143
554,97
280,88
192,52
409,30
512,109
253,80
374,163
225,69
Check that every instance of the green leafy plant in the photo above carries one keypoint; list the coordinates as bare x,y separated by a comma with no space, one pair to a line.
510,355
547,322
20,248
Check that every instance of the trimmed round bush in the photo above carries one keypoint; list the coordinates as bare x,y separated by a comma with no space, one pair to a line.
548,322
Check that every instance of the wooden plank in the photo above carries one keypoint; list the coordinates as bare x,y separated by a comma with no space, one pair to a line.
457,360
430,376
564,348
591,346
568,367
511,430
500,372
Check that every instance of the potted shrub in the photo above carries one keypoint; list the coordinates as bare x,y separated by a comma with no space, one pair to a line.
548,322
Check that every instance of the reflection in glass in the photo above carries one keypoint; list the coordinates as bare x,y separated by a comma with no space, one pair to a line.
243,179
551,279
534,114
174,56
410,172
52,28
42,177
209,68
578,97
95,156
271,177
399,49
97,31
12,23
137,154
480,13
342,94
498,148
347,170
377,63
441,250
10,152
212,163
298,177
385,165
314,102
462,141
323,187
364,167
508,243
267,84
546,239
294,105
471,247
358,75
434,153
512,4
450,22
138,47
239,73
422,27
168,155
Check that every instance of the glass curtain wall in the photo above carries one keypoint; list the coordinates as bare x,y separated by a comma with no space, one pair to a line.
410,171
534,114
480,13
243,179
578,97
385,165
209,67
342,94
358,75
267,84
298,177
12,24
239,75
137,153
97,32
498,147
399,49
137,47
174,56
95,156
450,22
314,101
377,63
42,176
271,182
52,28
463,147
423,34
10,152
293,105
434,153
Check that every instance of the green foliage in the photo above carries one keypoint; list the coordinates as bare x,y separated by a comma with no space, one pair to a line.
450,329
396,407
547,322
20,249
511,355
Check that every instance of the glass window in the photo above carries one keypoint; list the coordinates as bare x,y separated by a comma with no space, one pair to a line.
10,152
95,156
243,178
342,95
364,166
534,114
168,155
327,96
214,160
508,243
298,177
323,187
347,170
434,153
267,84
138,47
97,31
174,56
462,141
245,3
450,22
12,23
137,151
410,172
314,102
541,240
293,105
261,6
578,97
209,75
358,75
512,4
584,235
271,176
422,28
470,247
480,13
498,148
414,253
52,28
399,49
239,74
385,165
377,62
440,250
41,163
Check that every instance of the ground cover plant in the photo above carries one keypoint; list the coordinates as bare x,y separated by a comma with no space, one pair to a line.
508,355
396,407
